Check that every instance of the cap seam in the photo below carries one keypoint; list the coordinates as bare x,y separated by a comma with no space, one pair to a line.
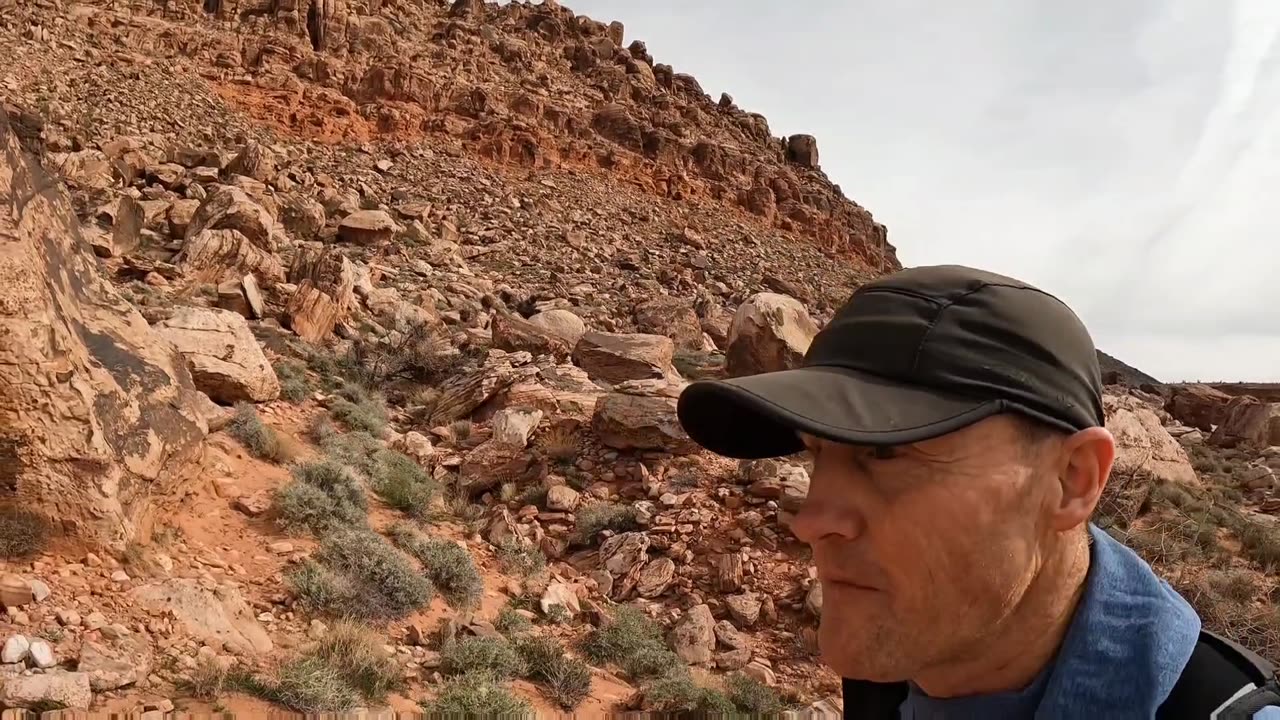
915,359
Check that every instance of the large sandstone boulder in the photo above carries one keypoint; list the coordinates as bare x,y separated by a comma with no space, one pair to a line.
674,318
215,255
561,323
1248,421
640,417
619,357
769,332
230,208
219,616
1198,406
368,227
1143,445
98,419
514,334
226,361
326,290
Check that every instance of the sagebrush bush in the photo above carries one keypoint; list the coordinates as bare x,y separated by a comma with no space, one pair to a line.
676,692
360,409
294,384
358,574
495,656
632,641
564,679
751,696
477,695
518,559
594,518
510,622
402,483
447,564
253,434
323,497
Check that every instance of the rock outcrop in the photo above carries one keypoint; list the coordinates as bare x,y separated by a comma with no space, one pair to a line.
98,418
225,360
770,332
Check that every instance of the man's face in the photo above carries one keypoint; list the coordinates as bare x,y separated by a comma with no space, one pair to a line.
925,550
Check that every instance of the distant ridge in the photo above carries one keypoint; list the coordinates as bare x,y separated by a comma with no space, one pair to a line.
1115,372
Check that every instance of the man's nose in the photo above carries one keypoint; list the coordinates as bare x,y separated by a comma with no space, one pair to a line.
831,510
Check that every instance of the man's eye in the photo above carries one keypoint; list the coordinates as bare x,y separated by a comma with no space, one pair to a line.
885,452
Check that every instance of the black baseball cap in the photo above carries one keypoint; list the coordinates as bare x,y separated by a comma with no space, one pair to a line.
911,356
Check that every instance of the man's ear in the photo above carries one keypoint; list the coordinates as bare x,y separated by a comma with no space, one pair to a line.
1083,467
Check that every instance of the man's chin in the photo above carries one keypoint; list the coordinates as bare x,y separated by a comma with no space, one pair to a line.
859,660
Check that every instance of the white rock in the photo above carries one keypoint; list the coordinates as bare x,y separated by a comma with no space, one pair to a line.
42,654
15,649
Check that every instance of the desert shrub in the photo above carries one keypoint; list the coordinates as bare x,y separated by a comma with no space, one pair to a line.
676,692
247,428
564,679
448,565
1261,543
360,409
494,656
598,517
477,695
560,443
460,431
23,533
519,559
294,385
207,681
322,497
510,622
633,642
358,574
1236,585
752,696
309,684
357,653
402,483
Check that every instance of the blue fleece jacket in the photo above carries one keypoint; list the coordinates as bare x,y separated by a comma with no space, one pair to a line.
1126,647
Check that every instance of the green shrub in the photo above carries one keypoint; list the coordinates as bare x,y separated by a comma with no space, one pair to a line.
598,517
564,679
477,695
358,574
752,696
448,565
521,560
323,497
676,692
633,642
402,483
494,656
250,431
360,409
510,622
294,385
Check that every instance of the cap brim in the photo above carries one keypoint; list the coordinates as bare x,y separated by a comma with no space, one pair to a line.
759,416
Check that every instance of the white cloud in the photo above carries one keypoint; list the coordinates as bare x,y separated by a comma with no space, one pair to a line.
1120,155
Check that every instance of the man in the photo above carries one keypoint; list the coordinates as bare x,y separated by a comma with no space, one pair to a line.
954,418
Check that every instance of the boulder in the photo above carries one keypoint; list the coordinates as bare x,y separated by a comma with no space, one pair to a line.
694,637
514,334
626,421
1198,406
619,357
302,217
1248,421
216,255
803,150
230,208
674,318
561,323
368,227
254,161
769,332
223,618
225,359
98,420
1143,445
57,688
325,294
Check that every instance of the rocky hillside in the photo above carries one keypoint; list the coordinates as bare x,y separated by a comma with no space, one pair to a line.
339,354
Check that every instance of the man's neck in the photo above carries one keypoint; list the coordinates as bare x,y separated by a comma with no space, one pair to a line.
1027,641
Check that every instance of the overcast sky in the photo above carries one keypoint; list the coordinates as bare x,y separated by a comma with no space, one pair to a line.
1118,154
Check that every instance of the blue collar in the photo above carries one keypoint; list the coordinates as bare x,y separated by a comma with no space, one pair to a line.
1131,637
